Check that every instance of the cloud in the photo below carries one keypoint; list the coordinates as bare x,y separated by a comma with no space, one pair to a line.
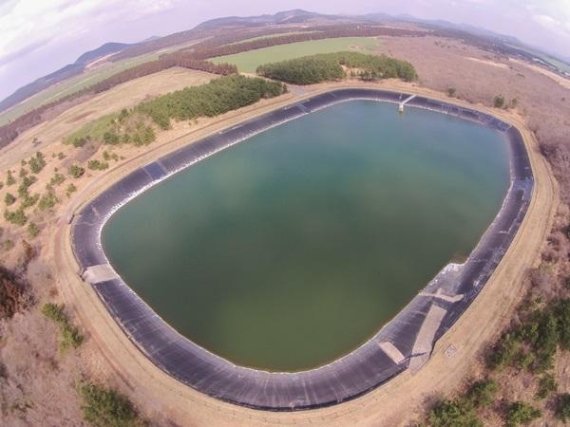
26,50
25,24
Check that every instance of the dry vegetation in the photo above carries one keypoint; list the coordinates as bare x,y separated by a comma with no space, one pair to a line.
41,383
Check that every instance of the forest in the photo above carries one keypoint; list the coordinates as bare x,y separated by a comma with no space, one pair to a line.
208,100
325,67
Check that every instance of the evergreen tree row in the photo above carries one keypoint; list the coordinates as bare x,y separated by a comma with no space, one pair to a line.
331,66
212,99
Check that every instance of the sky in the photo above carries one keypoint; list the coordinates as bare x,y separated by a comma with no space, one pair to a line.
39,36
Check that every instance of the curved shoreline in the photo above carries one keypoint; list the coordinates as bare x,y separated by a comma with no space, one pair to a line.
405,342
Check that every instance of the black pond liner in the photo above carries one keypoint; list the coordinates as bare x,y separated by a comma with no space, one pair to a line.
354,374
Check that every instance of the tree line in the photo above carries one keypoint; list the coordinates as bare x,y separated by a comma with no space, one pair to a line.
211,99
211,49
10,132
325,67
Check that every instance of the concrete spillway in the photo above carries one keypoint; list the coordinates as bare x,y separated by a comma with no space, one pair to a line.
404,343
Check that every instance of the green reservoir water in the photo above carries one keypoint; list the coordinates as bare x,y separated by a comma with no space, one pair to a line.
291,249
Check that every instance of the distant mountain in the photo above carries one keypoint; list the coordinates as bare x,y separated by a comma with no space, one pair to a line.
215,26
295,16
119,51
443,24
62,74
105,50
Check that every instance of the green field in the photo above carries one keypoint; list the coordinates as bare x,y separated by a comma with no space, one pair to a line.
555,62
272,36
247,62
72,85
77,83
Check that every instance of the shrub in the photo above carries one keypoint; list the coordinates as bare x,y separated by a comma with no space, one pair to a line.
562,410
54,312
451,92
504,352
546,385
8,245
37,163
70,335
453,413
106,407
70,189
9,199
10,180
29,201
482,393
111,138
521,413
27,182
33,230
57,179
17,217
97,165
79,142
76,171
562,312
48,200
499,101
60,156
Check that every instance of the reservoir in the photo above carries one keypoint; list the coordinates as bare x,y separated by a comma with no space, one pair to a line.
292,248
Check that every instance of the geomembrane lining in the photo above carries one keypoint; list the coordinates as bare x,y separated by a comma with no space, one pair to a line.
407,339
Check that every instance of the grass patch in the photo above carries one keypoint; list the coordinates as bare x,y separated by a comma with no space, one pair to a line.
248,62
272,36
104,407
94,130
70,335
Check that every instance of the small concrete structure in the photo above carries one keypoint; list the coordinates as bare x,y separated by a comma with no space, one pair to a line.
403,103
99,274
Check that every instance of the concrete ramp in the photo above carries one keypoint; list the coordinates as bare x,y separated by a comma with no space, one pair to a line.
99,273
425,338
392,352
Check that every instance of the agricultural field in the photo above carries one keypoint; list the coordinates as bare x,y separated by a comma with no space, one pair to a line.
272,36
72,85
88,78
247,62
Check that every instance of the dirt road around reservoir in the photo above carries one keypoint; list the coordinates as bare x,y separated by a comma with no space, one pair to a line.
395,403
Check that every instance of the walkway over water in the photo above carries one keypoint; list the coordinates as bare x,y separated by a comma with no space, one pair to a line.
404,102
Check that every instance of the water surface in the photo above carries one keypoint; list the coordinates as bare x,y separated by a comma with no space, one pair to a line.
292,248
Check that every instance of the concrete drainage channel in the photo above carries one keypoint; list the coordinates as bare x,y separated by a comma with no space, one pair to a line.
406,342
